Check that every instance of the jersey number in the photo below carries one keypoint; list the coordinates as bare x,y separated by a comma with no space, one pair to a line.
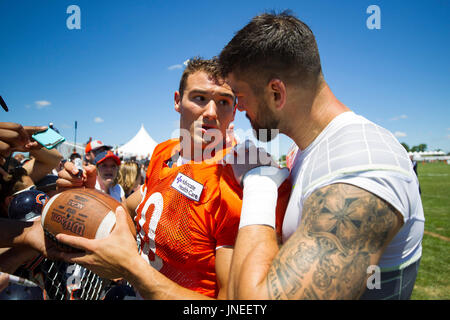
157,200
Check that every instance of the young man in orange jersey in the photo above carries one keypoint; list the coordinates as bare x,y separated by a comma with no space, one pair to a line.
187,212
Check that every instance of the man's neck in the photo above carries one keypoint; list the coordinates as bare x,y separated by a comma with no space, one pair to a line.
197,153
309,119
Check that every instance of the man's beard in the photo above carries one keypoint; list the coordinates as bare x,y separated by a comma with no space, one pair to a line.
265,126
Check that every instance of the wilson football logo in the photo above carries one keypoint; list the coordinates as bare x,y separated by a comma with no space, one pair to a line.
68,224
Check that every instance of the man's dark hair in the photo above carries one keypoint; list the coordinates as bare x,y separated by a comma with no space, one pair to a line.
209,66
273,46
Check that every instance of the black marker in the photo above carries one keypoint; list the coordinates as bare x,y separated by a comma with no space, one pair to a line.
4,106
79,165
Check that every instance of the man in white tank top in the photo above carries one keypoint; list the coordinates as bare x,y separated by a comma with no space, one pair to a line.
354,223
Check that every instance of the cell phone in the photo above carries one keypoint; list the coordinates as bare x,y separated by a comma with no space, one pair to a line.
48,138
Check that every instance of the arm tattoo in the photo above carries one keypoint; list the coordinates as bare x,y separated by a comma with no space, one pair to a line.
343,230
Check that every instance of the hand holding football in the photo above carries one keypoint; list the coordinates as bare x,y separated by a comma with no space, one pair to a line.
87,213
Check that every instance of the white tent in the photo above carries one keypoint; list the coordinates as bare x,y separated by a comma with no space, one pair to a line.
140,146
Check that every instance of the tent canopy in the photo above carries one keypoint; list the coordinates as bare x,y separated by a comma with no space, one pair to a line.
140,146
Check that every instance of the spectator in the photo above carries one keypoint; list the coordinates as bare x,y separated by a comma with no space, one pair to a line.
129,177
107,164
93,148
17,177
22,237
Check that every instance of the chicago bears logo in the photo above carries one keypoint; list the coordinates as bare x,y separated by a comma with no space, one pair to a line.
41,199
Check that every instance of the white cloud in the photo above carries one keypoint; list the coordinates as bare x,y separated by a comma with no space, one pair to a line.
399,134
175,66
403,116
42,104
98,120
178,66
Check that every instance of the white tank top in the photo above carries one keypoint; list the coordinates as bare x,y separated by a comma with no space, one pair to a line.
354,150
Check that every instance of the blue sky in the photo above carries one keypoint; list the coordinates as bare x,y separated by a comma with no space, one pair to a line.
120,70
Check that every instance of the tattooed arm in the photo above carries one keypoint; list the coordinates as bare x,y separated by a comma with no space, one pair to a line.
344,229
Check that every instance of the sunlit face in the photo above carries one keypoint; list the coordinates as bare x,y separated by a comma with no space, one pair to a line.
256,109
107,171
206,109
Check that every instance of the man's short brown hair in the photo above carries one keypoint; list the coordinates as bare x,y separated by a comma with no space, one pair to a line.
209,66
273,46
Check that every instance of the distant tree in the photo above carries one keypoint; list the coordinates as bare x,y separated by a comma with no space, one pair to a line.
405,146
420,148
282,161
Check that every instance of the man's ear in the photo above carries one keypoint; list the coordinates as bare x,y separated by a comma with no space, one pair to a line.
278,93
177,101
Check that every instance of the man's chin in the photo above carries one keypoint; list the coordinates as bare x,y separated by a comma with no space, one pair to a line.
263,134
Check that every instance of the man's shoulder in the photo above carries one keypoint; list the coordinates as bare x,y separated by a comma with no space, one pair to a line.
165,150
166,146
359,144
352,147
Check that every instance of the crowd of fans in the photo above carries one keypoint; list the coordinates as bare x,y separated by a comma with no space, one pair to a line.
115,176
26,166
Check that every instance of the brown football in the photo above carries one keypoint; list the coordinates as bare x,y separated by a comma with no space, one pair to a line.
82,212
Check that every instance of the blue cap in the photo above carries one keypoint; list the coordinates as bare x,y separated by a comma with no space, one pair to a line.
102,156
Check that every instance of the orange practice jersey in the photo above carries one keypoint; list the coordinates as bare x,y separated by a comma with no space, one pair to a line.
185,215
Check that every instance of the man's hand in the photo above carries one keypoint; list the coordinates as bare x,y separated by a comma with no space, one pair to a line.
14,137
246,156
109,257
68,177
34,237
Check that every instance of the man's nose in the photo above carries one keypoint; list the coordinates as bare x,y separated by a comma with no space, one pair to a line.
211,110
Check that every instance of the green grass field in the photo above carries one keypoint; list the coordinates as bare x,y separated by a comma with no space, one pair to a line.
433,280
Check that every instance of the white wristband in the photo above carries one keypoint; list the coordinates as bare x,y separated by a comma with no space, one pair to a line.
260,195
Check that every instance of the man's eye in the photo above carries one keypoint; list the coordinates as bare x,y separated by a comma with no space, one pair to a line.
224,102
199,98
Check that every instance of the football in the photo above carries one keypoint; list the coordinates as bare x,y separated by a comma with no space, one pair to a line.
82,212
